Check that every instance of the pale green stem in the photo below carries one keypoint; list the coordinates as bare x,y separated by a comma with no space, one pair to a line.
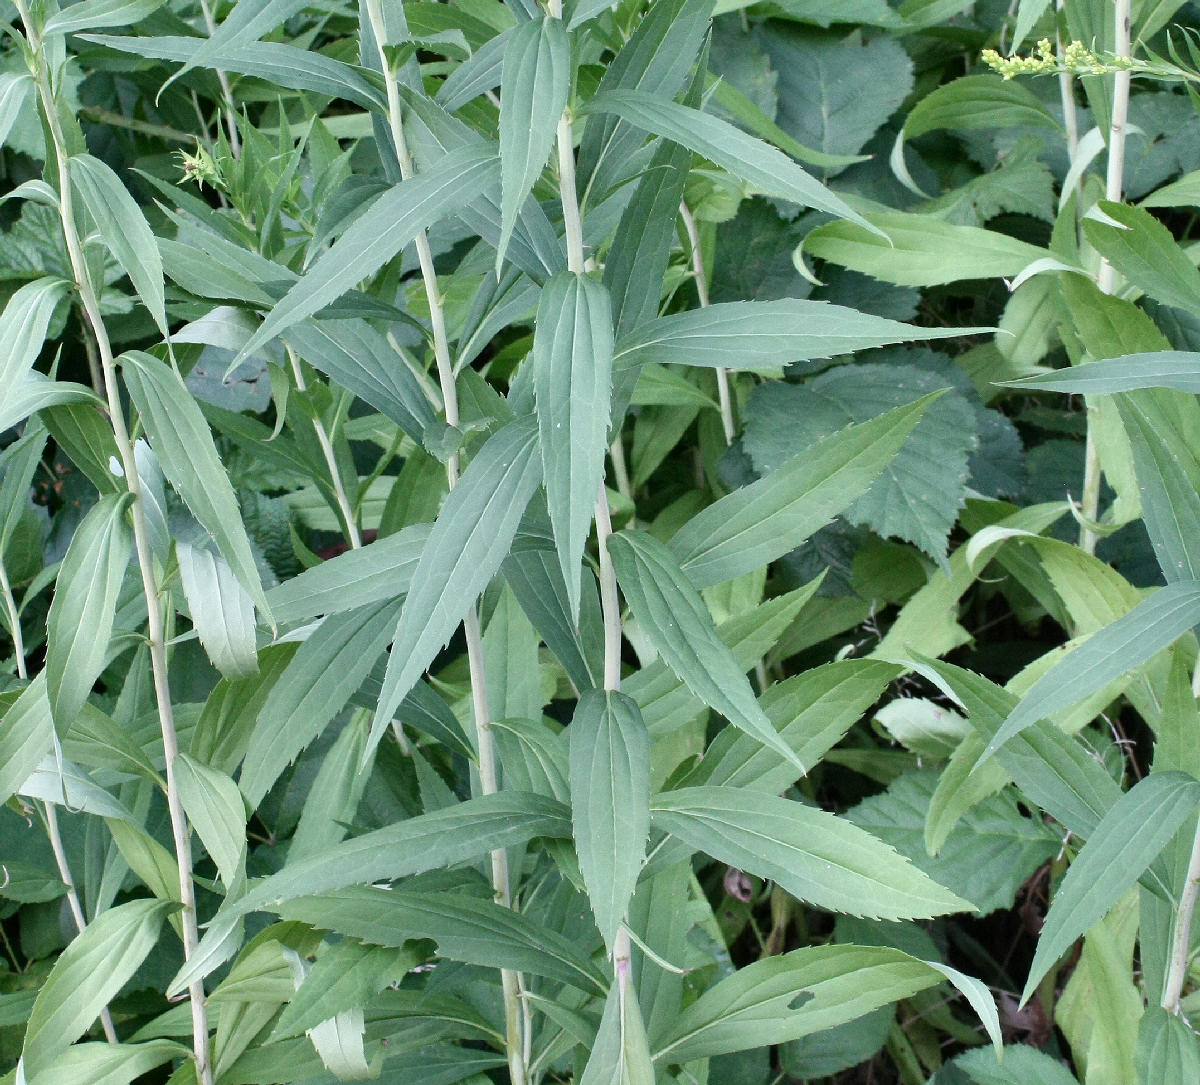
180,831
353,537
235,142
1114,185
616,453
488,782
64,875
1182,935
701,277
1066,90
14,619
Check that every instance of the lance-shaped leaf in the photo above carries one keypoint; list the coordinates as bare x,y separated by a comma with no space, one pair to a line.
468,542
379,233
770,171
765,334
1124,844
124,230
456,834
1177,369
18,462
86,976
361,360
355,578
1156,622
23,327
97,14
109,1064
222,611
673,616
814,855
81,614
620,1054
15,92
25,398
467,929
572,379
324,674
184,445
610,801
797,994
216,811
533,93
765,520
26,734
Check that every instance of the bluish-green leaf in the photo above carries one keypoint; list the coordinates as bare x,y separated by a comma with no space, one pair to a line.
23,327
222,611
98,14
572,375
1161,369
610,801
216,811
26,734
533,94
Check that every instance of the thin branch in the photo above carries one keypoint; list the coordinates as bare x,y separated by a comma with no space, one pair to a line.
1182,935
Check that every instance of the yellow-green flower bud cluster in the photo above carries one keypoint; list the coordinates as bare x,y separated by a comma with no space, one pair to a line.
1077,59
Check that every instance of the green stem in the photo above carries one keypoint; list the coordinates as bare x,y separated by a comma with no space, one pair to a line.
235,142
1114,185
180,830
14,619
1182,936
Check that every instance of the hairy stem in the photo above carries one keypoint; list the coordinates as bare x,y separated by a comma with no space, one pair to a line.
1182,935
180,831
353,536
701,277
64,874
1114,185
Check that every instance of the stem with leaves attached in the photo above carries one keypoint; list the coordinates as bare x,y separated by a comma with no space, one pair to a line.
235,142
1114,186
180,831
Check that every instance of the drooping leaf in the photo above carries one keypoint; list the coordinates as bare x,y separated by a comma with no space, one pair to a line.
85,977
26,734
221,609
98,14
672,614
390,223
978,101
108,1064
610,801
124,229
572,377
23,327
533,93
463,552
1120,849
763,521
184,446
815,856
80,621
620,1054
16,89
217,812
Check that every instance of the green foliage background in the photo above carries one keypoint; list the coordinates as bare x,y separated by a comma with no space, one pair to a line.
599,543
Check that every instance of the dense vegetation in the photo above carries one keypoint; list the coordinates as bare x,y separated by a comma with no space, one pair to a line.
577,542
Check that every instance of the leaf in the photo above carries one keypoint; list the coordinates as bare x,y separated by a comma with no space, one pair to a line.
673,616
325,672
572,380
763,521
221,610
620,1055
917,250
183,443
1122,847
453,835
1156,622
15,91
1161,369
759,164
86,976
610,801
97,14
783,998
533,95
378,234
357,357
80,622
978,101
35,393
464,551
18,463
1167,1049
124,230
754,335
468,929
108,1064
23,327
817,857
217,812
26,734
921,487
1020,1066
1142,249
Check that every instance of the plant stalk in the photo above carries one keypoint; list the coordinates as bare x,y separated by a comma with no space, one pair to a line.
1182,936
1113,188
14,619
701,277
235,141
180,830
510,981
64,874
